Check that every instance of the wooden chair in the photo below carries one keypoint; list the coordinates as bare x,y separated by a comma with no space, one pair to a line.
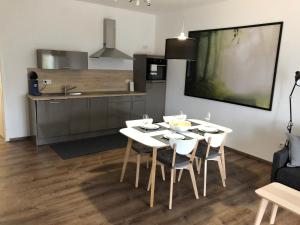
211,150
141,150
180,157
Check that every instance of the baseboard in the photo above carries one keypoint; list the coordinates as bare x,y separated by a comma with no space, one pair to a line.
19,139
248,155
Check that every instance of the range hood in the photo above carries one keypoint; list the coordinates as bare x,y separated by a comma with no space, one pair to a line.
109,42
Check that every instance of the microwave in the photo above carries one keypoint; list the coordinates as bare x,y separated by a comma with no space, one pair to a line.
156,69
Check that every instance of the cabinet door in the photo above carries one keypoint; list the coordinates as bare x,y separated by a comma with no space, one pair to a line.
138,107
155,100
118,113
98,109
80,116
53,118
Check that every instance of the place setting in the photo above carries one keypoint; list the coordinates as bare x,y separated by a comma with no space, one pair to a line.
148,125
202,129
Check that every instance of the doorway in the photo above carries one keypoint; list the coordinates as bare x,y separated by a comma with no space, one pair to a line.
2,125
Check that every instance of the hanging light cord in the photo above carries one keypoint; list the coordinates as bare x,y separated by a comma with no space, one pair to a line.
182,35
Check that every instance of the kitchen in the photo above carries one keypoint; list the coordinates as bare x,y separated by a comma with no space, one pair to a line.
105,119
70,102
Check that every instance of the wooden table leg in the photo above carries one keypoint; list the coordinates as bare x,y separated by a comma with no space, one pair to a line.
153,171
127,153
223,161
261,211
274,212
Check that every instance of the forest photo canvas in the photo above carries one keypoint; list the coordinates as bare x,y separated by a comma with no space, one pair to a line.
235,65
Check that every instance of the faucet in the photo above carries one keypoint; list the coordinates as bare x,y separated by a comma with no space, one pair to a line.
67,88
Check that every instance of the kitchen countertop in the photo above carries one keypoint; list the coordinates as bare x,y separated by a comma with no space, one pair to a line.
52,96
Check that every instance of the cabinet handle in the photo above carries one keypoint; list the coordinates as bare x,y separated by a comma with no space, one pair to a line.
54,102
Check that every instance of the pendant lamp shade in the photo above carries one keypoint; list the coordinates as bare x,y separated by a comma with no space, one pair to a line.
181,49
297,78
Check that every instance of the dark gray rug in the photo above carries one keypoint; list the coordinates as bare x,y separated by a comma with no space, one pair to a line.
72,149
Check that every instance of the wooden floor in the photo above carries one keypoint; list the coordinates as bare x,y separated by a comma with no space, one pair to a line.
40,188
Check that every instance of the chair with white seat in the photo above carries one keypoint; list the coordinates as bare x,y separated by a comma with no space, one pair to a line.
168,119
180,157
210,150
141,149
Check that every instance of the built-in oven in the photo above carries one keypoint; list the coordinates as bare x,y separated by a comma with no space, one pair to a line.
156,69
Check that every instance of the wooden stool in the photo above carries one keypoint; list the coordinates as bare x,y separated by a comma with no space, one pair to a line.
281,196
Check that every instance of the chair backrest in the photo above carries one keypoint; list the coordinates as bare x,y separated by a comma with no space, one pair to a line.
183,147
215,140
136,123
167,119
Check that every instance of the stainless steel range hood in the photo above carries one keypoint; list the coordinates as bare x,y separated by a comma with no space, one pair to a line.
109,42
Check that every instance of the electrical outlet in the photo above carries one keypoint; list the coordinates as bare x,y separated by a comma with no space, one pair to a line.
281,145
47,81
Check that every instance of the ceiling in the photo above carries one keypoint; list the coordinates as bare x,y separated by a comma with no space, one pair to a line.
157,7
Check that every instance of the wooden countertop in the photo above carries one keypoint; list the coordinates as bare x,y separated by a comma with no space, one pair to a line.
53,96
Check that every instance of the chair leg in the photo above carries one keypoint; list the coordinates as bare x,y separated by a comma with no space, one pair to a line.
163,175
205,176
174,180
221,172
199,165
138,163
193,181
180,175
171,187
147,163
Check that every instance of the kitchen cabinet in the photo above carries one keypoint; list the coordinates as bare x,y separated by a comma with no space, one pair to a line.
98,114
155,100
55,121
53,118
138,107
118,113
80,115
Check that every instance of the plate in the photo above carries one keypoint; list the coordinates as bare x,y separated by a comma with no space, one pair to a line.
174,136
150,126
208,129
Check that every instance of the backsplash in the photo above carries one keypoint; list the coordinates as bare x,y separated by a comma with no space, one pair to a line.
84,80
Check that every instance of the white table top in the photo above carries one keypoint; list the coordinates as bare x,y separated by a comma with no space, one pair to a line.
148,140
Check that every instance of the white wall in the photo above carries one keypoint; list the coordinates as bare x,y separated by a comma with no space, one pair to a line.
256,132
60,24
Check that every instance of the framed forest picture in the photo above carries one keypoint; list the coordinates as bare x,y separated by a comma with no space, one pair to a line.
235,65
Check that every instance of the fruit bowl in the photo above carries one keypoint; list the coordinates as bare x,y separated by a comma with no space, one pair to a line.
180,126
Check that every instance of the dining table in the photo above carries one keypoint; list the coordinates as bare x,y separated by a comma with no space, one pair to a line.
155,140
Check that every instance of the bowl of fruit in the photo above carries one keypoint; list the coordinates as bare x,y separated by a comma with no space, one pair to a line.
179,125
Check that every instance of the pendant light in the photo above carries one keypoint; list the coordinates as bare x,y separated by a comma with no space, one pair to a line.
138,2
181,47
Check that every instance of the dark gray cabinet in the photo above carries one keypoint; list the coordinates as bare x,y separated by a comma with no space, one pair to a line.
138,107
71,119
52,118
98,114
118,112
155,100
80,115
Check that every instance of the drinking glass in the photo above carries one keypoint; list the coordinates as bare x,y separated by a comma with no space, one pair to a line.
145,119
208,117
181,115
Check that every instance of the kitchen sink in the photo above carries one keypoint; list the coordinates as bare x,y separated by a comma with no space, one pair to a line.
75,93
